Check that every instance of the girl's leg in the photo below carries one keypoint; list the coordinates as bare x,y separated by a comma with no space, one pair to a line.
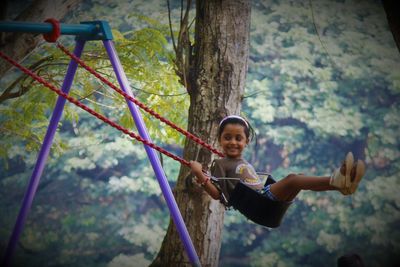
288,188
345,179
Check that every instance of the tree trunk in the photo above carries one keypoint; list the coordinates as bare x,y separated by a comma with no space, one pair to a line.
393,17
19,45
217,80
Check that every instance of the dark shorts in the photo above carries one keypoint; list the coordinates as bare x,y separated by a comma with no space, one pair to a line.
258,207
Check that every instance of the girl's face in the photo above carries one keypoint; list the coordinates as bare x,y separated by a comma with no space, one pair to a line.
233,140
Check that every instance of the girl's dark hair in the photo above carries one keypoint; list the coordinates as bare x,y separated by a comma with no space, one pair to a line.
248,130
350,260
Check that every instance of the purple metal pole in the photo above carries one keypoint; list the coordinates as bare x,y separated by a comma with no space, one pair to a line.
154,160
42,157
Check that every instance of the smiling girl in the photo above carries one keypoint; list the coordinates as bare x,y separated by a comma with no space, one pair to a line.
234,134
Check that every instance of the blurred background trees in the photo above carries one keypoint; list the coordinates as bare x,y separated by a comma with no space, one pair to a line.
323,79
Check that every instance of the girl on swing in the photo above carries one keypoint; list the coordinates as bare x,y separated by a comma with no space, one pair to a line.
234,134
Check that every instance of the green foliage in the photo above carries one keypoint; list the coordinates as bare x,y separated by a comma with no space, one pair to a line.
145,55
313,99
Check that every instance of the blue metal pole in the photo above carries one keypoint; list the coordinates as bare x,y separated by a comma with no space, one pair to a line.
35,27
89,30
152,155
42,157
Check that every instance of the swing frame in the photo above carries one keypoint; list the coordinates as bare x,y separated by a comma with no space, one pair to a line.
86,31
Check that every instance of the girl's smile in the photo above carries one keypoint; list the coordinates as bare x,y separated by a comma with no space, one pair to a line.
233,140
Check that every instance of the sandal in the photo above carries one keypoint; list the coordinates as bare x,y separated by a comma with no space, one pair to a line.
340,180
358,172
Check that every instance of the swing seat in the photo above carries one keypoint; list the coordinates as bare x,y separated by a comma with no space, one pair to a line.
258,207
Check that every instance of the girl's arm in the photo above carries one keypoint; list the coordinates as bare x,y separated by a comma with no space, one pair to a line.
203,180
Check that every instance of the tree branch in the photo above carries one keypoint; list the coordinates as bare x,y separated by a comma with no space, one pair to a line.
17,45
8,92
170,26
183,49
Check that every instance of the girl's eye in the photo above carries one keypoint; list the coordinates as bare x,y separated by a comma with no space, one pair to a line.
239,138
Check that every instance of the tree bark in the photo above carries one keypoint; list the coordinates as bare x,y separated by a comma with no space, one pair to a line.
217,80
393,17
19,45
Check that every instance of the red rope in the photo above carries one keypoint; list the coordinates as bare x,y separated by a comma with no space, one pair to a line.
91,111
140,104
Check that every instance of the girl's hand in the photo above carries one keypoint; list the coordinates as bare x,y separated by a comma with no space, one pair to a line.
196,167
203,180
